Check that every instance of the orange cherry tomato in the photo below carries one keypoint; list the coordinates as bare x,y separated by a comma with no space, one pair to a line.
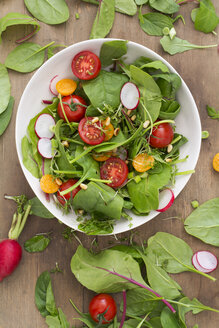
143,162
216,162
108,130
48,184
102,157
66,87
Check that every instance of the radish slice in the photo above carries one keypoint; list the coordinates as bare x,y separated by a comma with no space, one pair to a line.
130,95
207,260
42,126
197,266
47,102
166,199
44,147
52,85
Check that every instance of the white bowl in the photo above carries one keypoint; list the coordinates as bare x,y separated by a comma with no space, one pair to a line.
187,122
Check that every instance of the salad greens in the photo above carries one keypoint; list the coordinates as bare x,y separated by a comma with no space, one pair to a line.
5,117
104,19
37,243
5,88
140,192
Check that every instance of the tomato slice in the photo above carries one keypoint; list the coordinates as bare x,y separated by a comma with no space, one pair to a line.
64,186
91,133
86,65
116,170
73,112
162,135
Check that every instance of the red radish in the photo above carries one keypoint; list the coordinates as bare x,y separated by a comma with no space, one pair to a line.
197,266
47,102
206,261
130,95
10,249
52,85
43,125
44,147
166,199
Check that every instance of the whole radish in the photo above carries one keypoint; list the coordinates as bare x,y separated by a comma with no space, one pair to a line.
10,249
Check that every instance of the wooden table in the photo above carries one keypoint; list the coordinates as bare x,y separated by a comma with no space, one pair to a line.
200,70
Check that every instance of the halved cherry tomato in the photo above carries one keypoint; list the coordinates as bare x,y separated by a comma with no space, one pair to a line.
86,65
102,157
116,170
73,112
91,133
66,86
64,186
102,308
143,162
216,162
161,136
49,184
108,130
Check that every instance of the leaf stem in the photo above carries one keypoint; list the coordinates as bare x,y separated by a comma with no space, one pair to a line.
124,309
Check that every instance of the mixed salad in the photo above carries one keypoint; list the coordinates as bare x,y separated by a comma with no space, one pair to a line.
106,143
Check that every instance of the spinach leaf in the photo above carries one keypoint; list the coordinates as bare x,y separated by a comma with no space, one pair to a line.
165,6
178,45
63,320
206,19
154,23
48,11
104,19
169,109
38,209
50,300
101,199
150,93
155,65
5,117
203,222
41,292
169,319
168,83
36,244
105,88
112,50
127,7
53,321
84,266
213,113
28,157
17,19
141,2
5,88
26,57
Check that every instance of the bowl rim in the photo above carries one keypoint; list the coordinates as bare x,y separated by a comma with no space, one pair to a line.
151,54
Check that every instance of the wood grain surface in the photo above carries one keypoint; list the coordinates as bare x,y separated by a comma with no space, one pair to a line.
200,70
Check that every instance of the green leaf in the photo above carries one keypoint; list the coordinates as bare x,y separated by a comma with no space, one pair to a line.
48,11
127,7
112,50
53,321
168,83
63,320
203,222
28,157
105,88
36,244
165,6
178,45
42,284
5,88
141,2
17,19
5,117
154,23
213,113
169,319
38,209
156,65
84,266
50,300
206,19
26,57
104,19
169,109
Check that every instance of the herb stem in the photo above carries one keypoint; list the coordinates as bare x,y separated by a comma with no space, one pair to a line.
124,309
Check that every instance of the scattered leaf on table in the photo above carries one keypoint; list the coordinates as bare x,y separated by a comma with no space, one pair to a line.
5,117
5,88
104,19
37,243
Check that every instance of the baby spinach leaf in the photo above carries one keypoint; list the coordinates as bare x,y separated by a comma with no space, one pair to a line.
26,57
53,321
169,319
48,11
36,244
156,65
38,209
63,320
41,292
28,157
101,199
17,19
104,19
178,45
141,2
84,266
112,50
169,109
105,88
213,113
5,88
154,23
206,19
168,83
50,300
127,7
5,117
165,6
203,222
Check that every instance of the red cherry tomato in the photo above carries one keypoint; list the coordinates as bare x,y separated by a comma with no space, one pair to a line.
116,170
86,65
73,112
162,135
89,132
102,308
64,186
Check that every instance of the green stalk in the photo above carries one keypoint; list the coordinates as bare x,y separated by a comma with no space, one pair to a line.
158,123
185,172
63,112
41,49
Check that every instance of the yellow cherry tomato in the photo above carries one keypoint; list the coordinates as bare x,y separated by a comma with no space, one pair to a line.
48,184
66,87
108,130
216,162
143,162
